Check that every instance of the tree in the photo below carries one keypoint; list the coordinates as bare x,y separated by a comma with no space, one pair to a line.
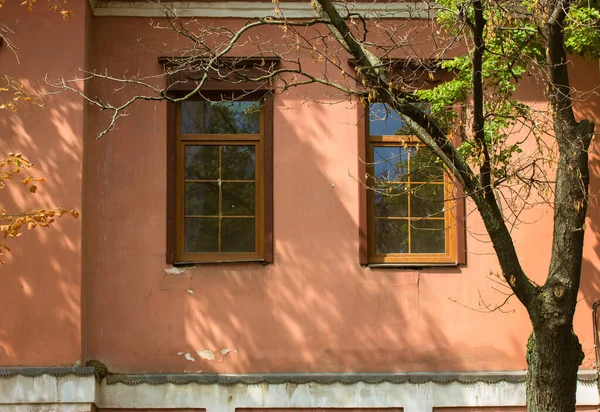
15,165
488,48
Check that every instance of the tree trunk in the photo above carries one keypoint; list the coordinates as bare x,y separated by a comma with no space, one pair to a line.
553,357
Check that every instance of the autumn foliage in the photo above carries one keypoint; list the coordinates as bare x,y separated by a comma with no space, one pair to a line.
15,167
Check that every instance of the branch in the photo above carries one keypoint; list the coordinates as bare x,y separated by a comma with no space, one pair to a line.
435,138
478,119
572,173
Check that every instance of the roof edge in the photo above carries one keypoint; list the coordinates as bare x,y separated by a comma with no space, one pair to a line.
256,9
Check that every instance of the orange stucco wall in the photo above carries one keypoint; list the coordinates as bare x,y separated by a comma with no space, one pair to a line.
506,409
40,297
315,308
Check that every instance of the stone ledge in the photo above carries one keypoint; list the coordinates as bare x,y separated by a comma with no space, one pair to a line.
45,386
414,392
76,389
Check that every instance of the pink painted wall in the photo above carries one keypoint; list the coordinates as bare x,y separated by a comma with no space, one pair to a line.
315,308
505,409
40,297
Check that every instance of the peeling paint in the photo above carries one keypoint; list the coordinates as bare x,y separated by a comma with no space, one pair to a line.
206,354
178,270
187,356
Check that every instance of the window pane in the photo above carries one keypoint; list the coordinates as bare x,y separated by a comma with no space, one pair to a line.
391,200
427,200
390,163
238,235
424,168
202,162
238,199
385,122
202,117
391,236
427,236
238,162
202,199
201,235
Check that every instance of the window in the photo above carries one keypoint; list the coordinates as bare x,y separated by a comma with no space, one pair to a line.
222,180
411,208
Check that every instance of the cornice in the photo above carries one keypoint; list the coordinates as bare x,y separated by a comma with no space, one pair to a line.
254,9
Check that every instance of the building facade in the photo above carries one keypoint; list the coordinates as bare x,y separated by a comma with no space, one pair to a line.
294,301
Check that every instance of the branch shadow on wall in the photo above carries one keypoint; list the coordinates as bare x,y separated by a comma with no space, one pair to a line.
40,320
590,271
315,309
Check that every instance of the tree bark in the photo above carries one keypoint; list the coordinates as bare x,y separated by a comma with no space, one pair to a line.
553,351
553,357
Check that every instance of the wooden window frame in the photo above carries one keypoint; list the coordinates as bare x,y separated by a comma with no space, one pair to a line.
454,209
263,178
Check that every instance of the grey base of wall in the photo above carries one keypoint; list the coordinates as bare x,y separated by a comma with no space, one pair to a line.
76,389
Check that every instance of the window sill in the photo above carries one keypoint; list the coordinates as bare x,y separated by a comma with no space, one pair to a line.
218,262
401,265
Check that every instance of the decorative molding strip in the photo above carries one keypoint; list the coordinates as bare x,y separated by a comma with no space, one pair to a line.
585,376
39,371
255,9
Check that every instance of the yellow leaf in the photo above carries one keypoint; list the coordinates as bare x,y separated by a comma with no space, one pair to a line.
74,213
